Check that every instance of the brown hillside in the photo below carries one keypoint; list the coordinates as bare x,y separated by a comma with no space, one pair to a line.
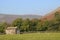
50,15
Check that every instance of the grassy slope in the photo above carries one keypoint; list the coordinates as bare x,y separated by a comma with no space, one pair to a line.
32,36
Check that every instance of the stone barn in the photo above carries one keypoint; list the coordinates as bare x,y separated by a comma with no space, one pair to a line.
12,30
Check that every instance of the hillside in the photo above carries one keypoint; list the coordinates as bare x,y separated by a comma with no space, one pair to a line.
50,15
9,18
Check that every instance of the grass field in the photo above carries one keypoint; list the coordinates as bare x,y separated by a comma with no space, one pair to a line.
32,36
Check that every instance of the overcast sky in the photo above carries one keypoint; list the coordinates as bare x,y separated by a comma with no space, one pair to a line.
19,7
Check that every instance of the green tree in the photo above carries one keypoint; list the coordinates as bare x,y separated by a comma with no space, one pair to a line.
57,16
25,25
44,25
53,25
33,24
3,27
39,25
17,22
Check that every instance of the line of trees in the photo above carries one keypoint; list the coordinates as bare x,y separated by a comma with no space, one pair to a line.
34,25
37,24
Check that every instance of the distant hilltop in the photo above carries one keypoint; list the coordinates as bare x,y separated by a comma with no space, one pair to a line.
10,18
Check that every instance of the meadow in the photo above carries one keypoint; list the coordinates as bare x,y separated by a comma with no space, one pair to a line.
32,36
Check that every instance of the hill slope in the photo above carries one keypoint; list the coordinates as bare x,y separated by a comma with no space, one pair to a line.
10,18
50,15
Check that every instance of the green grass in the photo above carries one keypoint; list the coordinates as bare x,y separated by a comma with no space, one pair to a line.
32,36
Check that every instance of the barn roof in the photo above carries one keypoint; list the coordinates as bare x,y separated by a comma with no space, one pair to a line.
8,28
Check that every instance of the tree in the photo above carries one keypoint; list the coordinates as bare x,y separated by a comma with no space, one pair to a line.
44,25
57,16
33,24
39,25
3,27
53,25
17,22
25,25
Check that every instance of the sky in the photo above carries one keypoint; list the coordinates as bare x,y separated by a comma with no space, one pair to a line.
23,7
